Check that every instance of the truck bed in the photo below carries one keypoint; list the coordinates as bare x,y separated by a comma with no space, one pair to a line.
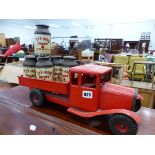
50,86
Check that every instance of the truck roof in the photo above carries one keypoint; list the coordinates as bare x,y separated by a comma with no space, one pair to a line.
91,69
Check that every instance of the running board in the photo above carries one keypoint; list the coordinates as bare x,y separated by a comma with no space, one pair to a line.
87,114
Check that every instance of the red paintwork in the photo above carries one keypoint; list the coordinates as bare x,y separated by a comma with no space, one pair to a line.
13,49
86,104
122,127
59,99
76,99
90,69
105,99
85,114
51,86
116,97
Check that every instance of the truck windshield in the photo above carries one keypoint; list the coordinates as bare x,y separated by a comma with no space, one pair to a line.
105,77
88,80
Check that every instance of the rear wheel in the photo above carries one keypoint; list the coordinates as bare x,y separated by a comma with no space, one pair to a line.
121,124
37,97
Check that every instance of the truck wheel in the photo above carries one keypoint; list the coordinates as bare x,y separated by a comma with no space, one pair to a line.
121,124
37,97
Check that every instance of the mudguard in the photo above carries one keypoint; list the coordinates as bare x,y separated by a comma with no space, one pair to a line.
86,114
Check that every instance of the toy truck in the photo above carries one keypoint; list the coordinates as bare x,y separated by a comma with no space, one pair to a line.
89,93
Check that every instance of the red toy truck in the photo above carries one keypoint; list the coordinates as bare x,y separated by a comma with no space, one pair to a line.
90,93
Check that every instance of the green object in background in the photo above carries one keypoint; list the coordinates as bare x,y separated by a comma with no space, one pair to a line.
17,39
121,59
150,59
140,68
19,55
148,69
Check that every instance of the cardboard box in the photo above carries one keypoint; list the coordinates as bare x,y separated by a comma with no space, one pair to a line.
10,41
2,40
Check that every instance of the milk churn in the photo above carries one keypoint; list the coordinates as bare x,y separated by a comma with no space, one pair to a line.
68,61
42,40
57,67
44,68
29,68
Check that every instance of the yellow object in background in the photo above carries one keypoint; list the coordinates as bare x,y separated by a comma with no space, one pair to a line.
140,68
123,60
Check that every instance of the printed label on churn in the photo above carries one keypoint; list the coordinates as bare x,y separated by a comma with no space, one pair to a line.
65,74
44,73
29,72
57,73
42,44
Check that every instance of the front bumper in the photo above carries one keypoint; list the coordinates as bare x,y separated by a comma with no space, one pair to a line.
136,104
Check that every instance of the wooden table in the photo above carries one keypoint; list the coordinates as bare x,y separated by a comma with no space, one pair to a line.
17,115
120,67
145,89
151,89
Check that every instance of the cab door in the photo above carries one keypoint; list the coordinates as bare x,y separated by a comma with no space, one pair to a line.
83,93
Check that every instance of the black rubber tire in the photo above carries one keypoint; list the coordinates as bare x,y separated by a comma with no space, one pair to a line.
138,105
130,124
40,99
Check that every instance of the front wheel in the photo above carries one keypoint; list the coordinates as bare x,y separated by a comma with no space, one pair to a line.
121,124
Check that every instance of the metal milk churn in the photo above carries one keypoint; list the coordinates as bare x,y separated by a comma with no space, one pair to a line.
29,68
42,40
57,67
68,61
44,68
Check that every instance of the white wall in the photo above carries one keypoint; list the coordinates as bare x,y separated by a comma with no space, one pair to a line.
132,31
127,31
152,42
91,31
25,35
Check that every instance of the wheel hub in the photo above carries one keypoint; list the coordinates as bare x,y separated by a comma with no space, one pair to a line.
122,127
35,98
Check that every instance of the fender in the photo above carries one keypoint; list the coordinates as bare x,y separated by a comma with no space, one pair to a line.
86,114
140,97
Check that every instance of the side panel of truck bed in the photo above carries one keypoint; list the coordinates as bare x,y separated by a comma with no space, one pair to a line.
51,86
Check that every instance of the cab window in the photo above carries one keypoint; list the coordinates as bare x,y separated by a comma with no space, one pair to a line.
105,77
74,79
88,81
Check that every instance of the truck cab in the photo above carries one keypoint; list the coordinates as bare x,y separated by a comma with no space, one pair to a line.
90,89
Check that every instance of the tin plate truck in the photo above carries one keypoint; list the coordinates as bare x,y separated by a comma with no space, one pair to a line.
89,93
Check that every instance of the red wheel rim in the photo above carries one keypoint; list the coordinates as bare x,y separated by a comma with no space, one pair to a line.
35,98
122,127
